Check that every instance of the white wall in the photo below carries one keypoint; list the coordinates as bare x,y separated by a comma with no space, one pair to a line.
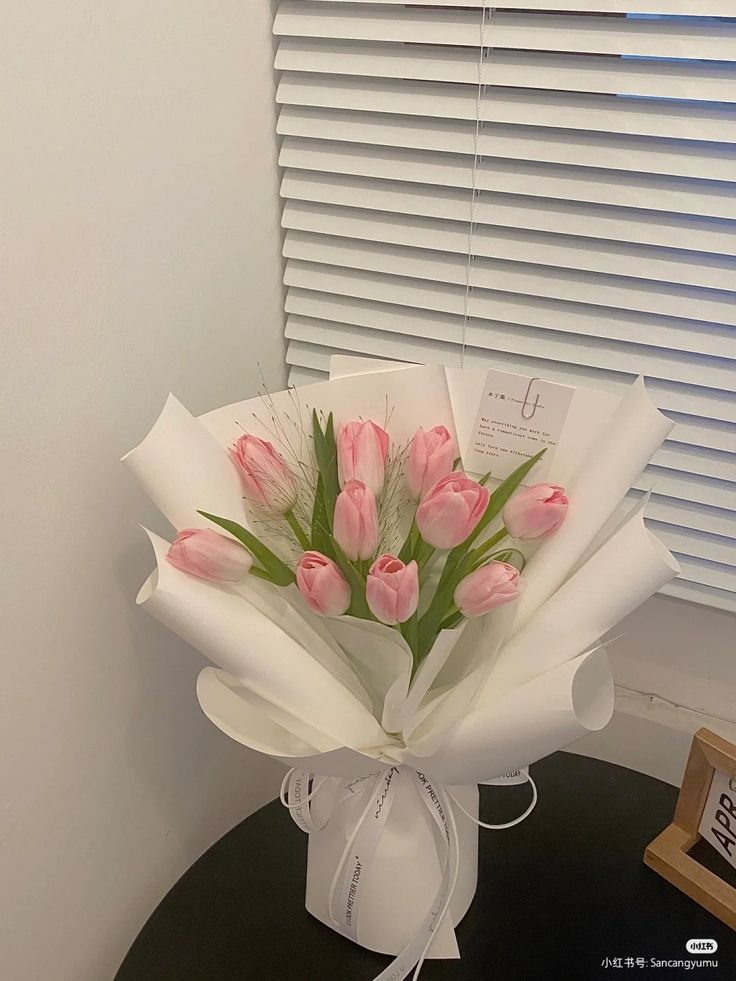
680,652
674,664
141,231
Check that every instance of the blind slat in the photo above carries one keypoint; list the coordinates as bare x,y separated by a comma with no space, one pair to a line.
517,212
706,8
542,32
707,198
548,109
720,599
354,298
515,278
714,81
705,161
536,187
558,250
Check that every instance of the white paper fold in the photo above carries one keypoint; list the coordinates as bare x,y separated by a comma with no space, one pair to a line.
633,433
626,570
525,724
182,469
383,661
224,627
226,703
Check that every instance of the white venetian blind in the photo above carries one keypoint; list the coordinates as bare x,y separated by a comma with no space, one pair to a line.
547,187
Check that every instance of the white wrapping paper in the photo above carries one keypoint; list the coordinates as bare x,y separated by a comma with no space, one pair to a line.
336,697
501,735
404,873
624,448
627,569
182,468
245,643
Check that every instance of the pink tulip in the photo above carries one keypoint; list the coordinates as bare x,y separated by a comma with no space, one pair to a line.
203,553
267,481
535,512
392,589
431,456
322,585
362,449
485,589
356,521
450,511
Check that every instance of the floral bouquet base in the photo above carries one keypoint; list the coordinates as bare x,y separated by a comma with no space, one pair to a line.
394,628
373,879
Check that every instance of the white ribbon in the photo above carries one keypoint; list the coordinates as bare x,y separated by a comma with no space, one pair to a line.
345,891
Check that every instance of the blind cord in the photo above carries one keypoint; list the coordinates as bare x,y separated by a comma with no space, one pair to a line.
484,18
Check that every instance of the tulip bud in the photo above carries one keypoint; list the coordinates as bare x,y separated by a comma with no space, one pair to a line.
362,449
451,510
268,483
323,586
535,512
487,588
355,524
431,456
203,553
392,589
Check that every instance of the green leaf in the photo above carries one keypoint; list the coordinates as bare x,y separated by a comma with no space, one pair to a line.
280,573
299,533
407,549
332,484
507,555
452,621
260,573
456,565
358,603
325,452
321,538
410,632
500,496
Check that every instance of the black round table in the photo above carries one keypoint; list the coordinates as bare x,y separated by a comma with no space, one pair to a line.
562,896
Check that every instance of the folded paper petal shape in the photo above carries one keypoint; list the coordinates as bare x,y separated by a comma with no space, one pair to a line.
247,644
527,723
183,469
226,703
627,569
633,433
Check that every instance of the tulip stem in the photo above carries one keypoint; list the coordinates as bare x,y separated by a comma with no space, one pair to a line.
410,632
260,573
507,555
301,535
485,547
410,543
424,554
452,619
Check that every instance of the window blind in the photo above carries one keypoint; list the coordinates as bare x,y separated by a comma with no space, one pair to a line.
547,187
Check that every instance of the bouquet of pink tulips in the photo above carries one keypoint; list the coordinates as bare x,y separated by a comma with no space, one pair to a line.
359,588
349,556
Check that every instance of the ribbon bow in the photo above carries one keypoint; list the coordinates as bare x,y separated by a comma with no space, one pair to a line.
379,790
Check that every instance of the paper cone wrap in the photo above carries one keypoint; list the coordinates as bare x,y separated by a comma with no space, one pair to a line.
336,698
403,873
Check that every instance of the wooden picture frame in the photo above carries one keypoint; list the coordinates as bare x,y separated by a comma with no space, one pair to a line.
668,853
